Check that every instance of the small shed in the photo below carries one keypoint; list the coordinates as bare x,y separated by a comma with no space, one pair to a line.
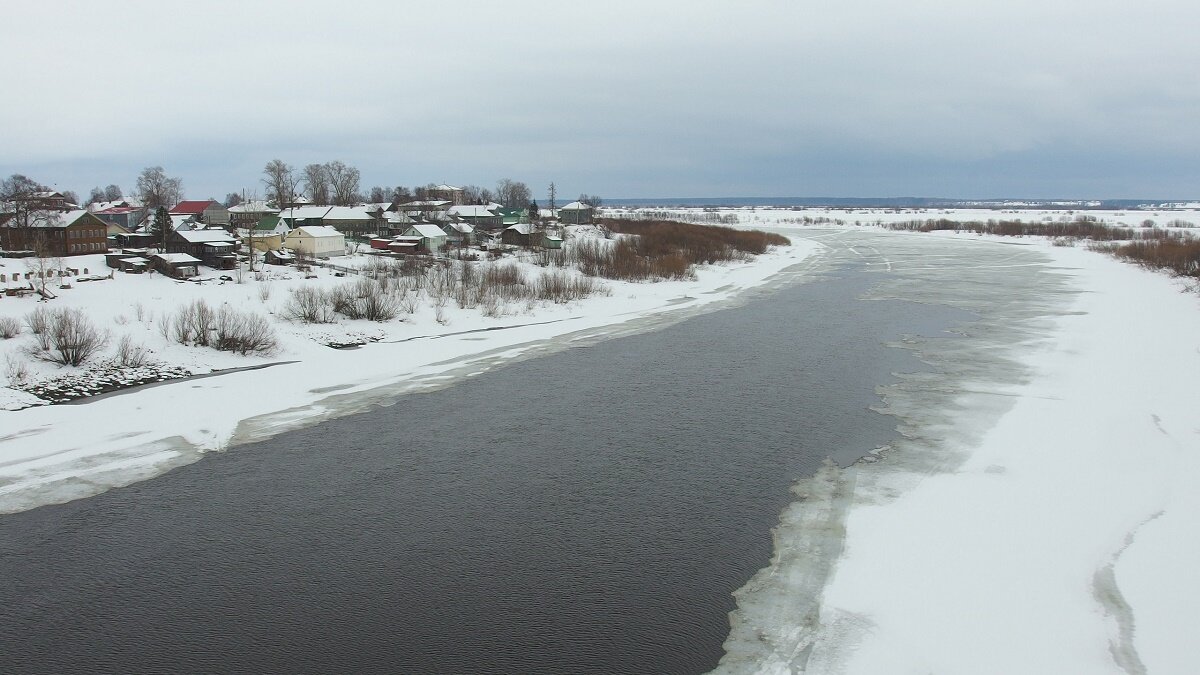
178,265
279,257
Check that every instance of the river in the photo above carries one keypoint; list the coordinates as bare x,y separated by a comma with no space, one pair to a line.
589,511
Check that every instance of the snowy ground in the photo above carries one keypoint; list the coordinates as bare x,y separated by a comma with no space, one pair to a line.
1040,515
57,453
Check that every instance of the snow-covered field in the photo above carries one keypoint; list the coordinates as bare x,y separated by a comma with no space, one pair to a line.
1041,515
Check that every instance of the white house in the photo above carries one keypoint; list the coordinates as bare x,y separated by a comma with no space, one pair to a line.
433,239
319,241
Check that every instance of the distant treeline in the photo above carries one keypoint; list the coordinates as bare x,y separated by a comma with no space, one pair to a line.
1153,247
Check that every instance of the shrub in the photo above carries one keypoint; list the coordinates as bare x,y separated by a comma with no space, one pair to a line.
71,336
309,305
131,355
364,299
243,332
9,327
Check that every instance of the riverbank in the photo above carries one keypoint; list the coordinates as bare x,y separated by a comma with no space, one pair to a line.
51,454
1040,516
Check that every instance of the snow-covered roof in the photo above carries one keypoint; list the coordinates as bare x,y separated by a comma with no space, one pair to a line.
428,231
317,231
465,228
65,218
427,203
176,258
443,187
253,206
575,206
205,236
305,212
470,211
348,213
521,228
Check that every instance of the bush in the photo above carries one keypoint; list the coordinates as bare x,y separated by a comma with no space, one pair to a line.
243,332
131,355
9,327
365,300
309,305
71,337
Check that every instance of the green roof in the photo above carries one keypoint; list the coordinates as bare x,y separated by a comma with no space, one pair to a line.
267,223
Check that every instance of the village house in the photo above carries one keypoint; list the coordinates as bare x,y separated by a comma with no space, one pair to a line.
214,247
207,211
444,192
178,265
575,213
265,235
430,238
56,234
481,217
425,208
127,217
247,213
318,241
459,234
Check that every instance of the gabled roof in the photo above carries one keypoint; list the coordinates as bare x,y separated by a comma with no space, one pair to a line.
317,231
443,187
194,207
60,219
521,228
472,211
427,231
177,258
575,206
205,236
253,206
305,212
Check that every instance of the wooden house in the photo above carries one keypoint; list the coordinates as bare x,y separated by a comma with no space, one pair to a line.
58,234
214,247
207,211
575,213
178,265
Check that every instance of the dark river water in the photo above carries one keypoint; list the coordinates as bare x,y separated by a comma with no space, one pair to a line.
586,512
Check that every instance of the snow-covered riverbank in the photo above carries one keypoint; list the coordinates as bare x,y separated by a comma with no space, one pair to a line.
1065,541
1041,515
51,454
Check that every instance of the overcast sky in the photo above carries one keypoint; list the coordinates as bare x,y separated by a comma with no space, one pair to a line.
647,98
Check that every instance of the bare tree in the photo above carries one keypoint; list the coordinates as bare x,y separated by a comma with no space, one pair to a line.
380,194
97,195
20,197
553,192
316,183
401,194
232,199
593,201
343,180
281,183
71,197
46,262
112,193
513,194
156,188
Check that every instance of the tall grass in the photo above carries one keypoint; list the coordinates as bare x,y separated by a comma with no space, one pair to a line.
662,249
